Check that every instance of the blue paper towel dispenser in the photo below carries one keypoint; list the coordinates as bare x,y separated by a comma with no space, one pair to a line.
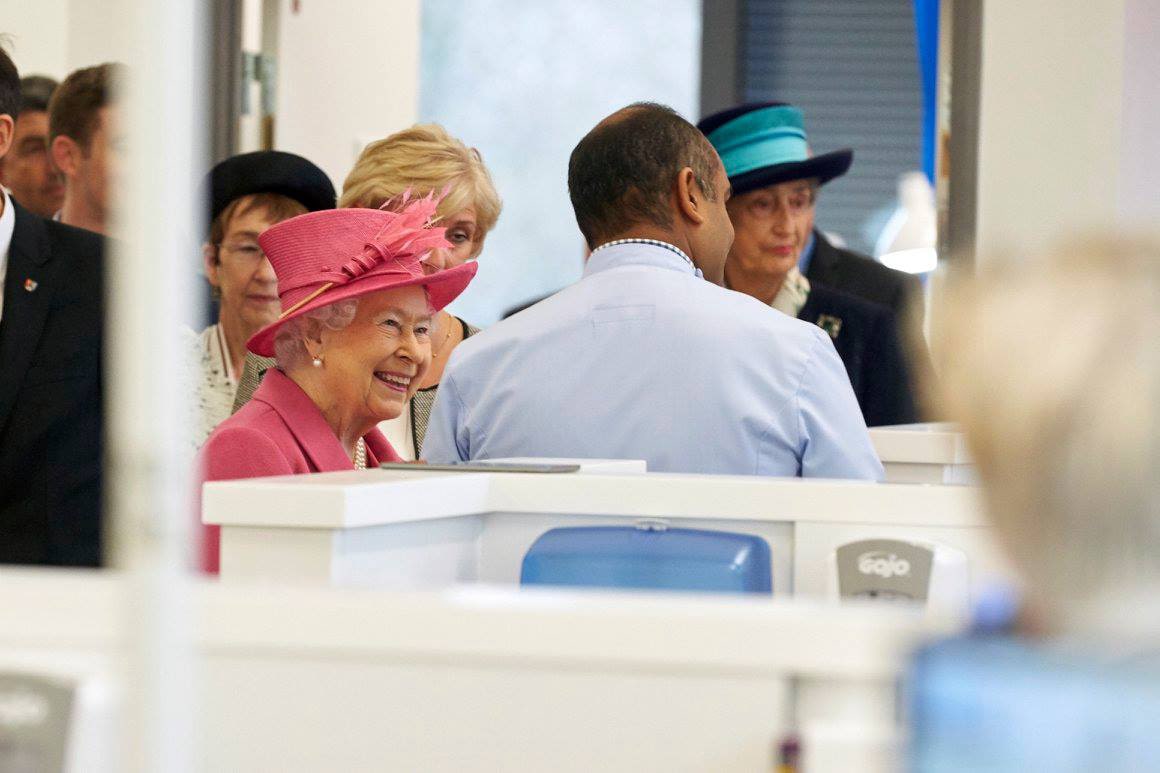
650,557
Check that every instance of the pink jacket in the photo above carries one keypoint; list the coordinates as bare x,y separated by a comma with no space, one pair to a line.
279,432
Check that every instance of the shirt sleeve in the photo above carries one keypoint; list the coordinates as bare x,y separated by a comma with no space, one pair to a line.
447,438
834,440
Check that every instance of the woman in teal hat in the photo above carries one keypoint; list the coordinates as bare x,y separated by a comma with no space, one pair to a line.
779,258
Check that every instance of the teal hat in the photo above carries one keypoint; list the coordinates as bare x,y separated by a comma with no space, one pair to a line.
764,143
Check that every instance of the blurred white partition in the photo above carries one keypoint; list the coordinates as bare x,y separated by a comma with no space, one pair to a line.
309,679
933,452
429,529
68,629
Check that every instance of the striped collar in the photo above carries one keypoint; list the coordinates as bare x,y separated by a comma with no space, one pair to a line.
653,242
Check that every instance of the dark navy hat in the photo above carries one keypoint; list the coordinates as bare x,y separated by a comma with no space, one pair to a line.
269,171
764,143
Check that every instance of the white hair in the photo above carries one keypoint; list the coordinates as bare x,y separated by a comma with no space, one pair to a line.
1053,367
290,341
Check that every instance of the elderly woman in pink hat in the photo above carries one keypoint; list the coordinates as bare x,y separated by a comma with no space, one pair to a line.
352,344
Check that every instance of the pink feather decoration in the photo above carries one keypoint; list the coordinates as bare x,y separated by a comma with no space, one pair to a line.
407,238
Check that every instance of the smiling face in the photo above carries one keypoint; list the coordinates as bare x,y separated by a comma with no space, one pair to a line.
374,364
240,271
772,226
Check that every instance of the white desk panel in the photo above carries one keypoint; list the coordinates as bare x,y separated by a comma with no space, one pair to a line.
378,497
430,529
933,452
484,678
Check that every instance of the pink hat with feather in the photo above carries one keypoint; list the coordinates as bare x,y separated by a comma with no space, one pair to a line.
324,257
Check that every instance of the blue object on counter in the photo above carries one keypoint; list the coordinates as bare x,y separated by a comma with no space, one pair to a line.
1002,705
650,558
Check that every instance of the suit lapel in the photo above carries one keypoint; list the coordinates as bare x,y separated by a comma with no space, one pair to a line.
28,289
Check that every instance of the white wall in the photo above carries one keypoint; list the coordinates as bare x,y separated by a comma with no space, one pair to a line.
348,73
55,37
1051,120
38,39
1139,199
523,82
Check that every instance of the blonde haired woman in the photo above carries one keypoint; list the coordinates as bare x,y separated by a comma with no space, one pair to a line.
420,160
1053,368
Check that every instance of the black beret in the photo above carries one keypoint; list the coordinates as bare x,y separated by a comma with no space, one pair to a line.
269,171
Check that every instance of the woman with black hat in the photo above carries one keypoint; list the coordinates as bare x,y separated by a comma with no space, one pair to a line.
248,194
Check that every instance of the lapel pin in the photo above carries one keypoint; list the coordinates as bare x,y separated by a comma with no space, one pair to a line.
831,325
30,284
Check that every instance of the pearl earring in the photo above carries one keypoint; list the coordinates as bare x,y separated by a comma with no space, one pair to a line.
318,362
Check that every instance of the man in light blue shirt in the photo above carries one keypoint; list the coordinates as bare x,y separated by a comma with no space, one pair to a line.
643,358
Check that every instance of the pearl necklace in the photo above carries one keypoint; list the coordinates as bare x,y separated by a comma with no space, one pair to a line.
360,455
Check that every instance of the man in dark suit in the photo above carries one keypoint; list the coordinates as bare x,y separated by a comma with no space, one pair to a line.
50,378
780,259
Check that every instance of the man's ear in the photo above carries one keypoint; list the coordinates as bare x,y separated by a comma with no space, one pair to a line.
7,132
690,198
65,155
209,257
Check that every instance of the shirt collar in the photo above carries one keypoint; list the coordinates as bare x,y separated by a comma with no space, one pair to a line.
640,252
7,226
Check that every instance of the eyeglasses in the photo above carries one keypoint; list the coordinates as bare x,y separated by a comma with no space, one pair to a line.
767,203
245,251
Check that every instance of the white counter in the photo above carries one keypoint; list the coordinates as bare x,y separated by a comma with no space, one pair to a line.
299,679
923,453
427,529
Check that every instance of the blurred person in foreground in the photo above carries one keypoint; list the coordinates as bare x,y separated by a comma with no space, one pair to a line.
85,140
351,344
1064,426
647,356
775,183
248,193
423,160
51,324
27,171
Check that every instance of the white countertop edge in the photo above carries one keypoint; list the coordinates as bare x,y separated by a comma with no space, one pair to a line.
920,444
351,499
487,625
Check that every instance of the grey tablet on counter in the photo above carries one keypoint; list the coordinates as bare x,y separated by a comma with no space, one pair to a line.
481,467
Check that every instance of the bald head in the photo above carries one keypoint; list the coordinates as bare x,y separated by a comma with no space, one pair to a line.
623,173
